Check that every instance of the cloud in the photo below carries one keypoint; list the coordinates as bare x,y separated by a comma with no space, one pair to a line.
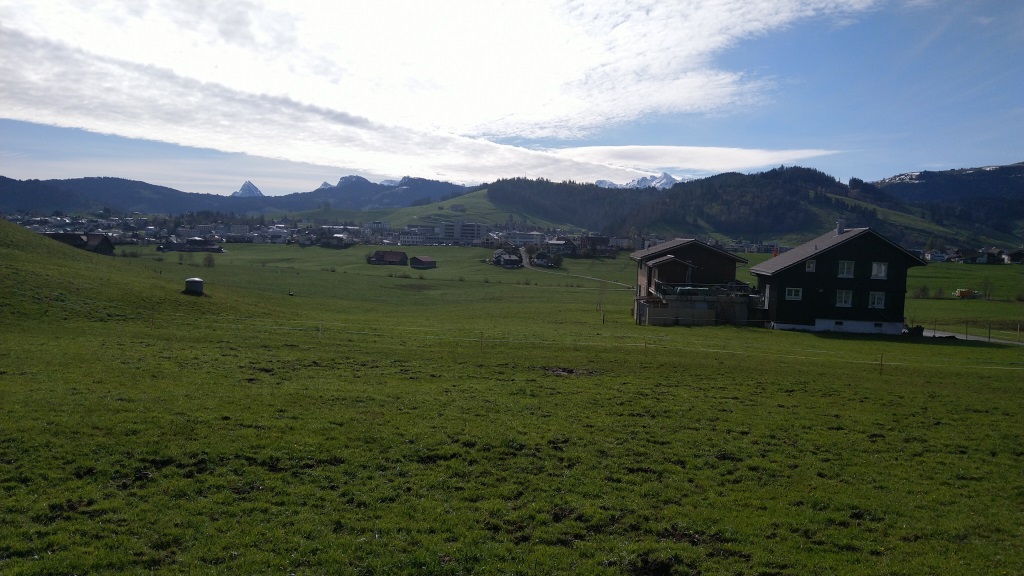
390,87
699,158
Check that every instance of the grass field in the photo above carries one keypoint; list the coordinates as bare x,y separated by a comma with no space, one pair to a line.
473,420
1002,313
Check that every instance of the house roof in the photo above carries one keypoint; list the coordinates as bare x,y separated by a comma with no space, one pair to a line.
85,241
667,258
642,255
819,245
389,255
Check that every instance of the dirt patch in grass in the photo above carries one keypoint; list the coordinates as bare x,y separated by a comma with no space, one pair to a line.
561,371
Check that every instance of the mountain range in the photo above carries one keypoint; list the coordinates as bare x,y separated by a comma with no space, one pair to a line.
665,180
965,206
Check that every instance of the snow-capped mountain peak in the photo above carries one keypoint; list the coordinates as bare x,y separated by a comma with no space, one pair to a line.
248,190
665,180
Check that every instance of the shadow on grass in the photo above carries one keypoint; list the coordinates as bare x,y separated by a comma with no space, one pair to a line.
950,341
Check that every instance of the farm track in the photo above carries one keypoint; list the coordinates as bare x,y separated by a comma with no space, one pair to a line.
928,333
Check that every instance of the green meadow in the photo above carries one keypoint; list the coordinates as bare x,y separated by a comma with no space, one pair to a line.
312,414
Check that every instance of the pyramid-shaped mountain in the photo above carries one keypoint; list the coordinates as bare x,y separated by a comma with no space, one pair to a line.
248,190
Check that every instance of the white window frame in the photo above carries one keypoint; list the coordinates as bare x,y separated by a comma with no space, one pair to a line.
809,266
794,293
846,268
844,298
879,270
876,300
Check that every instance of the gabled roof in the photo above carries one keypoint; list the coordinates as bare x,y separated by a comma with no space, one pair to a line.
667,258
819,245
642,255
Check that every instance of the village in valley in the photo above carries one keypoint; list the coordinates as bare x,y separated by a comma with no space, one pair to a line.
846,280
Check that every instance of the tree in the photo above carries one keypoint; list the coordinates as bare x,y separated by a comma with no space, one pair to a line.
209,261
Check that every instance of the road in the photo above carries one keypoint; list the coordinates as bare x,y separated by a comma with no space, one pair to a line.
975,337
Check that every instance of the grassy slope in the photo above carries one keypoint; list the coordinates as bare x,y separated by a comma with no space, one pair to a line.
478,209
924,229
475,420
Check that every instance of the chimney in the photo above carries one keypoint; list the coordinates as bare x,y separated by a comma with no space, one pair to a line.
839,227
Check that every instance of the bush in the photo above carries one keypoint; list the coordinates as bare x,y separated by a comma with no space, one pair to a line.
920,292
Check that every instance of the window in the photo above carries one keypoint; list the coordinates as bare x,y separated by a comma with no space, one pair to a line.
844,298
846,268
876,300
880,270
809,266
794,293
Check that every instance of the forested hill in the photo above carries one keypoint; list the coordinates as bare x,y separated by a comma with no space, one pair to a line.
993,195
585,205
778,202
769,204
781,203
971,207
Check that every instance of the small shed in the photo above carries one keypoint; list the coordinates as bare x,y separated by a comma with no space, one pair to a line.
194,286
422,262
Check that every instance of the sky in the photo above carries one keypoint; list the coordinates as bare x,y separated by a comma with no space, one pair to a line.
202,95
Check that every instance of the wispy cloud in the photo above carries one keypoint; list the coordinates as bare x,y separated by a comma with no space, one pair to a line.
689,158
394,87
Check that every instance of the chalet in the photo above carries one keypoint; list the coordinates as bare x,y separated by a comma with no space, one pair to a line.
543,259
388,258
98,243
849,280
561,245
685,281
979,257
422,262
507,258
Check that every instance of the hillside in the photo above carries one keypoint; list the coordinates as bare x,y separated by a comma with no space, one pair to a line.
971,207
126,196
783,204
989,197
45,281
386,423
